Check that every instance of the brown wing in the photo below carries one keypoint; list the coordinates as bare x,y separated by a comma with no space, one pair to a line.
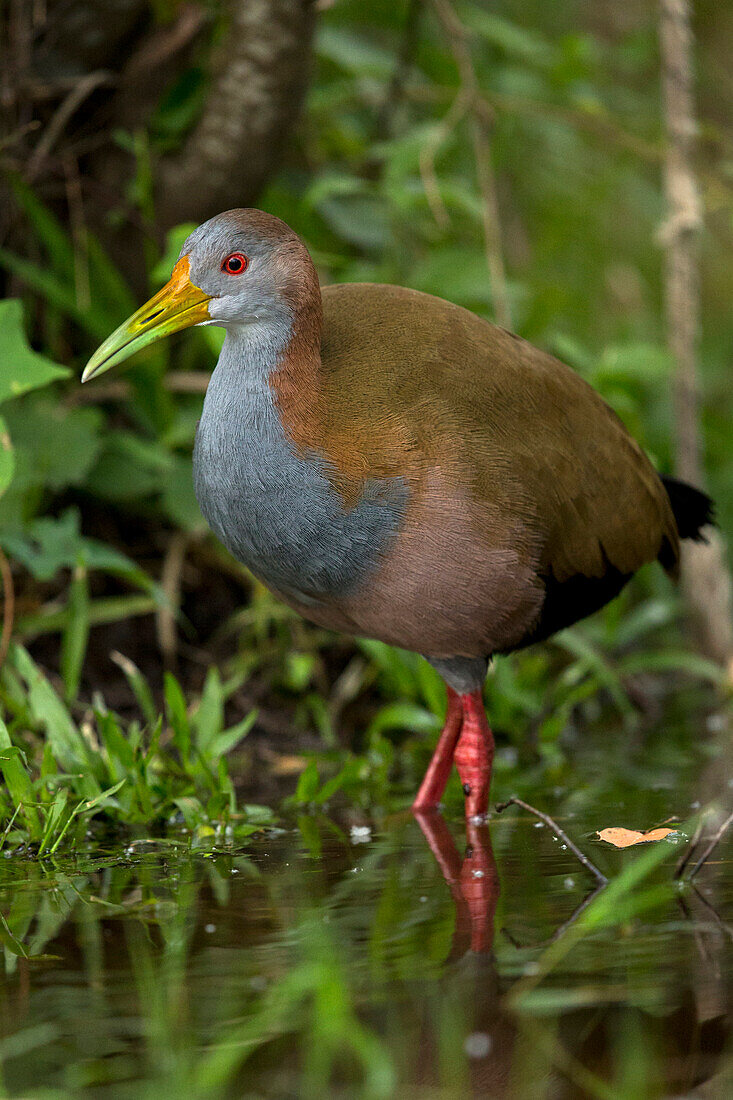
416,383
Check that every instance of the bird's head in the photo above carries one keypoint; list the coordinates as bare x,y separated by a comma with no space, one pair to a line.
242,268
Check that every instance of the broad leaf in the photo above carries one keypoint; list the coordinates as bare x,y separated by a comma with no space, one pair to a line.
21,368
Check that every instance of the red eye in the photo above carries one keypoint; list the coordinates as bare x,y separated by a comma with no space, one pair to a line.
235,264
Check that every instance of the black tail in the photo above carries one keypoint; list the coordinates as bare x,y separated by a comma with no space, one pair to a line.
692,509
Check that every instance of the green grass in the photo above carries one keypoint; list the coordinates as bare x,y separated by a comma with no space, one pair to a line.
59,773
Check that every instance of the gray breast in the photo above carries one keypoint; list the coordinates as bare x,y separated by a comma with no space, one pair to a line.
275,510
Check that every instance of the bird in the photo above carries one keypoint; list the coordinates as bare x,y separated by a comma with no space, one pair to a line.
393,466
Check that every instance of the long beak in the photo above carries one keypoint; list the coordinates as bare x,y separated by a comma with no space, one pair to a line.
178,305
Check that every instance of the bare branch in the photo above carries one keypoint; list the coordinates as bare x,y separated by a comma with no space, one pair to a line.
560,833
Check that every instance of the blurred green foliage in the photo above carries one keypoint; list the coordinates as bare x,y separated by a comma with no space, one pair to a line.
381,181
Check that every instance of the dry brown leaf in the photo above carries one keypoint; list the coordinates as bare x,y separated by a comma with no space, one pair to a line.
284,765
624,838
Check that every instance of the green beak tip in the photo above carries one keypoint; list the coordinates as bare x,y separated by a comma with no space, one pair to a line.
89,370
99,363
116,348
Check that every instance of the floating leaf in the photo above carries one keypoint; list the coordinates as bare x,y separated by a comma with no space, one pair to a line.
625,838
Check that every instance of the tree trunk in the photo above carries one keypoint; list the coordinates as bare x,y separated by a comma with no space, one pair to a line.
705,578
74,73
258,82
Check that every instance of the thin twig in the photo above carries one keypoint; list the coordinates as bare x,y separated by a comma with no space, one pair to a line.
8,827
716,916
712,845
77,221
481,120
561,928
699,938
83,88
17,135
396,88
429,151
187,381
170,583
687,854
8,606
558,832
602,127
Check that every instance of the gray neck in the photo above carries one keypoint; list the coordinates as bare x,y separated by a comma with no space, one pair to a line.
273,508
249,355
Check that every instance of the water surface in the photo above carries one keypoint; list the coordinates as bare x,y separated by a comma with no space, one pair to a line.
349,959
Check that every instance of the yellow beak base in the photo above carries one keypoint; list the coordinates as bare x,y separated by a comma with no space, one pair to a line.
179,304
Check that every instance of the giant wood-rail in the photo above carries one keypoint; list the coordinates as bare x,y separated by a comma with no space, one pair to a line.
393,466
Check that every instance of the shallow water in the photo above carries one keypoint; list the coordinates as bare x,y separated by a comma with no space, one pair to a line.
346,960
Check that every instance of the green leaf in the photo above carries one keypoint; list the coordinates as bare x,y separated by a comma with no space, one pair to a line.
361,220
54,819
130,468
308,783
208,721
108,287
403,716
120,753
139,685
103,796
230,738
346,775
69,747
352,52
178,499
177,716
48,229
174,240
56,289
528,46
11,942
192,810
7,458
59,445
179,107
18,781
76,634
50,544
110,609
21,368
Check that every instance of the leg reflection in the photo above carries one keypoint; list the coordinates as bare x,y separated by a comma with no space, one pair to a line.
473,881
470,987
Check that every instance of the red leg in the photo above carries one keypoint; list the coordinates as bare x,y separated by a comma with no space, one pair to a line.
436,777
474,754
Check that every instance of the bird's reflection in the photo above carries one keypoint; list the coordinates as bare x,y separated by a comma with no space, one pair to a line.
473,881
692,1034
